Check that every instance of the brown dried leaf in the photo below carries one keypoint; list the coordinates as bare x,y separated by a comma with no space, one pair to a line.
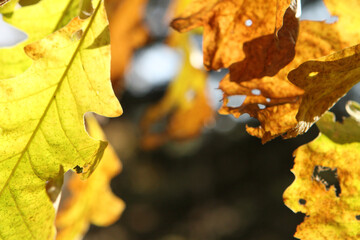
324,81
267,55
92,200
326,187
185,105
280,97
127,33
225,26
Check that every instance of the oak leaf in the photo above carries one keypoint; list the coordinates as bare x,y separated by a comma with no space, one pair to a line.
349,35
347,21
37,21
324,80
280,98
326,186
41,121
7,6
185,104
229,24
92,200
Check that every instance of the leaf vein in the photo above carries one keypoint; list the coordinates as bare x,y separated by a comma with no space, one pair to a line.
21,214
64,131
30,95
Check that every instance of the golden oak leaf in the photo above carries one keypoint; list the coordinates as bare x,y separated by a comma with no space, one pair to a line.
185,104
7,6
268,54
326,187
91,200
332,76
127,33
348,21
42,125
229,24
37,21
318,76
278,95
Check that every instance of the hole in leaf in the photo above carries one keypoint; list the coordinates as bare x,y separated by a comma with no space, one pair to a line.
328,177
256,91
268,100
302,201
248,23
313,74
261,106
235,101
53,186
10,36
77,35
332,19
357,217
78,169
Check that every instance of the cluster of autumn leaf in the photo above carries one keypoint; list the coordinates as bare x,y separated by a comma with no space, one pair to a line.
64,72
263,44
270,53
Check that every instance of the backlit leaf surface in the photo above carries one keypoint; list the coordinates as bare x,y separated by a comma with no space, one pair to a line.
279,98
37,21
332,76
229,24
7,6
331,204
41,121
91,200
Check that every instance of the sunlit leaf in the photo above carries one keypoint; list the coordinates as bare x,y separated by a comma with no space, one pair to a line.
268,54
91,200
347,20
41,121
228,25
37,21
277,95
185,105
326,186
332,76
7,6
